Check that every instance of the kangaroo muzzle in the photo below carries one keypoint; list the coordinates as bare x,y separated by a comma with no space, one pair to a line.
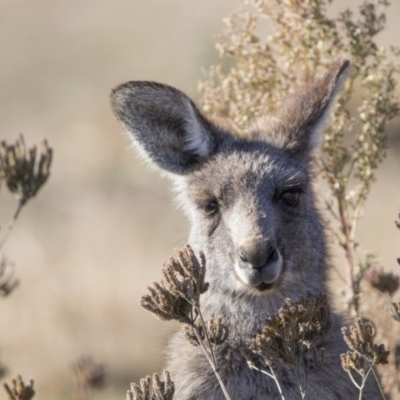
258,264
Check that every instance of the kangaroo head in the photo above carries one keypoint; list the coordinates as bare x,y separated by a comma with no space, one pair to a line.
249,200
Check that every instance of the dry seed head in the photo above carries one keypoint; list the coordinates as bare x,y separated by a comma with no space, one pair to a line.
88,373
296,329
217,332
166,305
141,392
23,172
360,339
352,361
180,289
19,390
384,281
152,388
190,336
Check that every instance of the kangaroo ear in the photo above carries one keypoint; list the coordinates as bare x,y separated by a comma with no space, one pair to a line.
297,125
165,124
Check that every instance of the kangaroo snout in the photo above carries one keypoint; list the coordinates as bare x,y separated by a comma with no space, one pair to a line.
259,264
257,255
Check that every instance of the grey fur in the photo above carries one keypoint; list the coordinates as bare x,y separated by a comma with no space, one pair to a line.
260,244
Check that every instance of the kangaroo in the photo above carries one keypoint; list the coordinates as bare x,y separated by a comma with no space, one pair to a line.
252,210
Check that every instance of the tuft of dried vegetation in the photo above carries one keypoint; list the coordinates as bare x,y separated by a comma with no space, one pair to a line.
293,338
177,297
383,281
24,172
20,390
152,388
88,375
364,353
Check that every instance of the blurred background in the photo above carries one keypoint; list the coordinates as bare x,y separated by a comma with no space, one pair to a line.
87,247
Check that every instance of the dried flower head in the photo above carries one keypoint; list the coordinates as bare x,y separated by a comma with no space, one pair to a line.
7,281
352,361
180,289
25,173
188,332
152,388
19,390
384,281
291,335
89,374
360,339
217,332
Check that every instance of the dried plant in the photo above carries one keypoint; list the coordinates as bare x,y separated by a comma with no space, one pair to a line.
364,353
88,375
384,281
257,71
293,338
19,390
24,172
152,388
7,281
177,297
215,330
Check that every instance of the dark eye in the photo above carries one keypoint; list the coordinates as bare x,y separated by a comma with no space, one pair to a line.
291,197
211,208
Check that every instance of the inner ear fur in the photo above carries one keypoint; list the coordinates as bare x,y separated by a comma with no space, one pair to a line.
164,124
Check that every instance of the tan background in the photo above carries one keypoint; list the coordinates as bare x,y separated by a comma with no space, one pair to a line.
97,234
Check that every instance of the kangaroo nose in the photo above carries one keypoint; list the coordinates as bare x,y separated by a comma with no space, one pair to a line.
257,256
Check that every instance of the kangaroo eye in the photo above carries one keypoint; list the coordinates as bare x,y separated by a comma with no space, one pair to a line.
291,197
211,208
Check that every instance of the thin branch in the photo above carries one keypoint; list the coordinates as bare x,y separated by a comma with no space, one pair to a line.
363,383
271,375
198,311
11,223
353,380
213,366
379,385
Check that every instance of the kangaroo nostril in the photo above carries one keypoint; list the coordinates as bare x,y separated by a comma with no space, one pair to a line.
257,257
272,255
270,252
243,257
